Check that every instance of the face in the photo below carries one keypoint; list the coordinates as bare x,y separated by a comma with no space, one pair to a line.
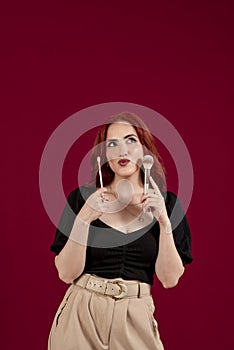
123,150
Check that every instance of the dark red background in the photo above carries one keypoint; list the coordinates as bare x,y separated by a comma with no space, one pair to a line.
176,57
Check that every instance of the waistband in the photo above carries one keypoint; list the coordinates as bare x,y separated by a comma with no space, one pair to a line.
116,289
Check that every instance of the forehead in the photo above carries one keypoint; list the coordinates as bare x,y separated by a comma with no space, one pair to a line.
119,130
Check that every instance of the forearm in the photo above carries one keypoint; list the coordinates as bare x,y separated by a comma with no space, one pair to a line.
71,260
168,266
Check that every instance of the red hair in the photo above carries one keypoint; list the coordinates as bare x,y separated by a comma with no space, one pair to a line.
145,138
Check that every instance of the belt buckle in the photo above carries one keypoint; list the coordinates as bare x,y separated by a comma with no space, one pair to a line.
123,291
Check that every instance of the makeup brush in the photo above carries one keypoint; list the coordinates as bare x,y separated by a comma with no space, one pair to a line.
147,162
99,170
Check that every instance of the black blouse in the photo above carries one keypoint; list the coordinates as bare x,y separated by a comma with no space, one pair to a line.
111,253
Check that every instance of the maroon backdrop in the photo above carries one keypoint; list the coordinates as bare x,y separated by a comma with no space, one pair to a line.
176,57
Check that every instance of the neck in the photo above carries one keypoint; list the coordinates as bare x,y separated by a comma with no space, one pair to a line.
135,181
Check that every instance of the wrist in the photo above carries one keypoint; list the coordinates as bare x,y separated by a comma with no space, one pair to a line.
83,219
80,231
165,226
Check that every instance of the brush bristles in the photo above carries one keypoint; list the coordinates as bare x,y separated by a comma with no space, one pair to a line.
148,161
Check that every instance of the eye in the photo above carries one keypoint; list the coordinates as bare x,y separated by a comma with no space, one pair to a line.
111,143
131,140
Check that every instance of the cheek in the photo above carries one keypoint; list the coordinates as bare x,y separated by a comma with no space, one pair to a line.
111,153
136,151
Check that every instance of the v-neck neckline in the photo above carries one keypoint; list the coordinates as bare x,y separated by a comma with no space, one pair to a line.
129,233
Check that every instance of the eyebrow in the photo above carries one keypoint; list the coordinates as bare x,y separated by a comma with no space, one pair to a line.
125,137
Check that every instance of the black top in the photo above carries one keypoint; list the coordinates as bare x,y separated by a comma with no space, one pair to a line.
111,253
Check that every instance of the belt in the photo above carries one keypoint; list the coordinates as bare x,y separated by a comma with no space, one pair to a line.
117,289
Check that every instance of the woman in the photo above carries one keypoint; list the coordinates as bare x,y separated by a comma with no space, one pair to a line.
112,240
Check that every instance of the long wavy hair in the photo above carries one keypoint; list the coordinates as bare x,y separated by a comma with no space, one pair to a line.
145,138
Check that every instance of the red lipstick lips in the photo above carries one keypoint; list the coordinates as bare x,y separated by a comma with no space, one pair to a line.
123,162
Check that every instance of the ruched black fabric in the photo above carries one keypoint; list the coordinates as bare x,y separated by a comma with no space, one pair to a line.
111,253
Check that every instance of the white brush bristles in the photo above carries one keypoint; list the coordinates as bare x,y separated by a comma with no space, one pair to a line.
148,162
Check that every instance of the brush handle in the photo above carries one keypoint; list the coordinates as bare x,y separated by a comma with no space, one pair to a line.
100,177
99,171
146,182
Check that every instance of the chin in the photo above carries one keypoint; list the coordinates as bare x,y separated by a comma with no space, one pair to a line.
126,172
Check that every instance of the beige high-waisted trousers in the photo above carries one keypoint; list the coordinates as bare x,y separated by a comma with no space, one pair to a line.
88,320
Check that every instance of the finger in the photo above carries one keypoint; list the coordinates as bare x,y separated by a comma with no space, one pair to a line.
147,207
154,201
150,202
144,197
153,195
101,191
145,203
154,185
96,200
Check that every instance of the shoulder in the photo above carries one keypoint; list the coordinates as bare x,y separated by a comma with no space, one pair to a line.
172,202
80,194
170,198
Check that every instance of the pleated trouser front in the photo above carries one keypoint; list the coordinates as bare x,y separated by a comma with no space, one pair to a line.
87,320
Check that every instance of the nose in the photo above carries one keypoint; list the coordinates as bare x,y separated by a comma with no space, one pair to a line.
123,150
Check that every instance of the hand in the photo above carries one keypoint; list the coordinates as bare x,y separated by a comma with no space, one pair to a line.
94,207
154,201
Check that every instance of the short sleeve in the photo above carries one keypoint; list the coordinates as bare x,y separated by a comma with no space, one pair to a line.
75,201
180,227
